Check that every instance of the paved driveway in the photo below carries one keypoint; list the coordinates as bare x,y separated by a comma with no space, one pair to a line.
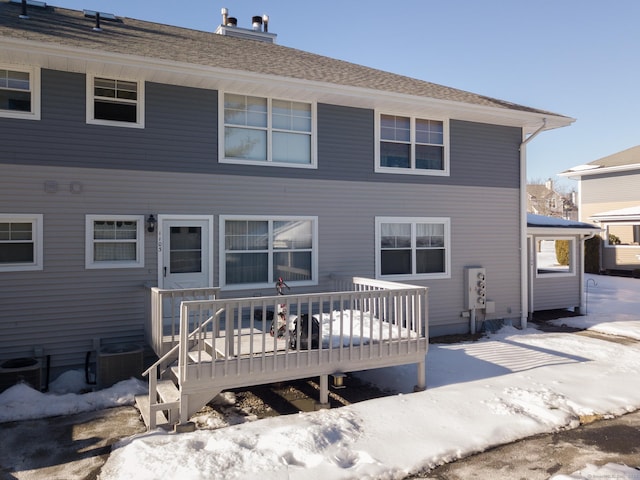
541,457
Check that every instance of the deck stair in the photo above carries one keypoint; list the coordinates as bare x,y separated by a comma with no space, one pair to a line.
167,401
222,344
169,396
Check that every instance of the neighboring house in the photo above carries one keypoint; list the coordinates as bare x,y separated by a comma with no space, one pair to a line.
543,199
609,195
556,283
140,155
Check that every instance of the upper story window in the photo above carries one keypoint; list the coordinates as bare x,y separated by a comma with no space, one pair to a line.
256,251
114,241
20,93
20,242
115,102
413,247
265,131
412,145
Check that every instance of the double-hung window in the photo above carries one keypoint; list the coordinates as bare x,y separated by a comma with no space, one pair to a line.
413,247
412,145
19,92
113,101
256,251
114,241
20,242
266,131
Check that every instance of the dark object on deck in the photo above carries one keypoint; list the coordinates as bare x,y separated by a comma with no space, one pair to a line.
303,322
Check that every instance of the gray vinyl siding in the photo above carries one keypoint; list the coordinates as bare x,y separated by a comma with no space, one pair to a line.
181,135
170,168
554,293
65,306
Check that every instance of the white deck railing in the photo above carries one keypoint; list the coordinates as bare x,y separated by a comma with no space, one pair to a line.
163,329
227,343
374,324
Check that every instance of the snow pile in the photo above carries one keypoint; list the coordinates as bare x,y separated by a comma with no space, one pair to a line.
612,307
508,386
21,402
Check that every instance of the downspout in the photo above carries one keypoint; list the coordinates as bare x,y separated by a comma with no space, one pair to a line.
524,264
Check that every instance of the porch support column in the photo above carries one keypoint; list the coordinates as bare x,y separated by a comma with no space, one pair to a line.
582,308
524,274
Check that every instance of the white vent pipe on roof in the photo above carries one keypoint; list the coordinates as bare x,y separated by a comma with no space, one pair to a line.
256,23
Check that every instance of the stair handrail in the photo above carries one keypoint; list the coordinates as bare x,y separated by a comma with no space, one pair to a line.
176,347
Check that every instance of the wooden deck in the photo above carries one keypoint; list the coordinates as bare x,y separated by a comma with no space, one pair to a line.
223,343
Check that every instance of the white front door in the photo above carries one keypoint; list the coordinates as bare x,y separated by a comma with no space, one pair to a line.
184,256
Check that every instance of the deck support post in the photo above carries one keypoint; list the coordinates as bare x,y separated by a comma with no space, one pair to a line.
324,392
422,377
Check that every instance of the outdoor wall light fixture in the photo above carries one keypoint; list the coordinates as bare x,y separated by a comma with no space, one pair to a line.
151,224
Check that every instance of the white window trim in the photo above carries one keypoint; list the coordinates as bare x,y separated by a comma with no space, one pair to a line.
36,220
34,83
446,221
606,226
412,170
90,263
572,258
268,162
270,218
90,107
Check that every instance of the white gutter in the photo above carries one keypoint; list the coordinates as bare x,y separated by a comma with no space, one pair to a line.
524,265
597,170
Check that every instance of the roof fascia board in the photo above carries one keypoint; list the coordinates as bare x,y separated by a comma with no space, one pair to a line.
560,231
597,171
527,120
615,218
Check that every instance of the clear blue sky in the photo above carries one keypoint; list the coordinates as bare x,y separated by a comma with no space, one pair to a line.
579,58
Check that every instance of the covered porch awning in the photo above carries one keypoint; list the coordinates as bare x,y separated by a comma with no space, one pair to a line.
541,225
629,214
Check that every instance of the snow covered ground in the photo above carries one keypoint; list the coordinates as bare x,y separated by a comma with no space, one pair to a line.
506,387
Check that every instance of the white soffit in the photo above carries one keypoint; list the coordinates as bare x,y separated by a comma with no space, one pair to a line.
79,60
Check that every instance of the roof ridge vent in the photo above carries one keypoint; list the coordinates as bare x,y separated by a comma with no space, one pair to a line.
32,3
24,14
259,28
103,15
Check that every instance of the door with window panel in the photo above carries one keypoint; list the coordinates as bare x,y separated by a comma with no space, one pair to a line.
185,256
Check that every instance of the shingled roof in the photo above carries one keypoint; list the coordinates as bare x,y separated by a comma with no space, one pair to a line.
628,159
130,37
